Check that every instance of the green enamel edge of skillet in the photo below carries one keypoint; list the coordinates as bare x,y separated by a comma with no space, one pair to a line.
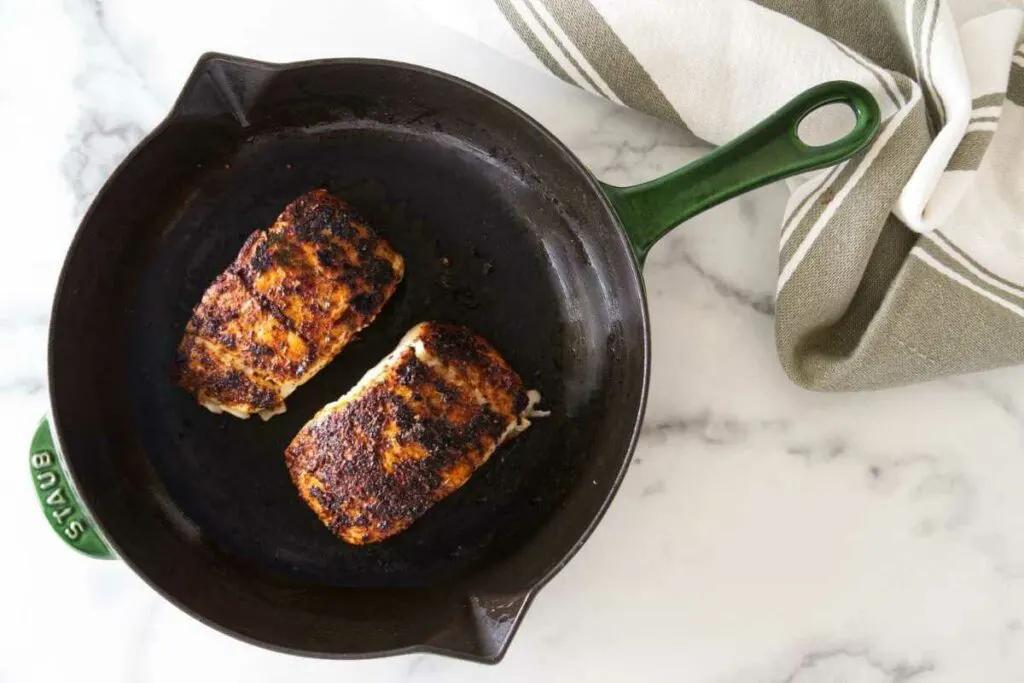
61,507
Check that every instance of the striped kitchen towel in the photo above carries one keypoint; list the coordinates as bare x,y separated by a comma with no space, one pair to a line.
902,264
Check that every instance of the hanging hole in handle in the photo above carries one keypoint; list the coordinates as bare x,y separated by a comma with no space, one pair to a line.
826,124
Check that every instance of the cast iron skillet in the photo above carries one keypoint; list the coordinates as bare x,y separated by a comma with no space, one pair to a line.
502,229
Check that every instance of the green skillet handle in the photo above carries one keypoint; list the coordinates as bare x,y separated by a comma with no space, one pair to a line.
770,151
64,512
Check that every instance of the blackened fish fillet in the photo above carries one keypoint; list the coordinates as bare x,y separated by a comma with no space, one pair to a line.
411,432
292,299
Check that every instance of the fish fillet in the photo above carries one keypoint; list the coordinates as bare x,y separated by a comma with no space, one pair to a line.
411,432
292,299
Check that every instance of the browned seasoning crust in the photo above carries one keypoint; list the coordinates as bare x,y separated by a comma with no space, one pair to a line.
294,296
373,462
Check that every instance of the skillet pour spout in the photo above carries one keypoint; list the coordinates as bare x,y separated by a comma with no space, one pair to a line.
481,629
223,85
502,229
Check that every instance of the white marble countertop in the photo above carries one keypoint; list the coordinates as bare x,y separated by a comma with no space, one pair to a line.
763,533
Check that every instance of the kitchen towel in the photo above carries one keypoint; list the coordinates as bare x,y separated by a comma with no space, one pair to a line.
902,264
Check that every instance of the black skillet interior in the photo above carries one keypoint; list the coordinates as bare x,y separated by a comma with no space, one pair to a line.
501,230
